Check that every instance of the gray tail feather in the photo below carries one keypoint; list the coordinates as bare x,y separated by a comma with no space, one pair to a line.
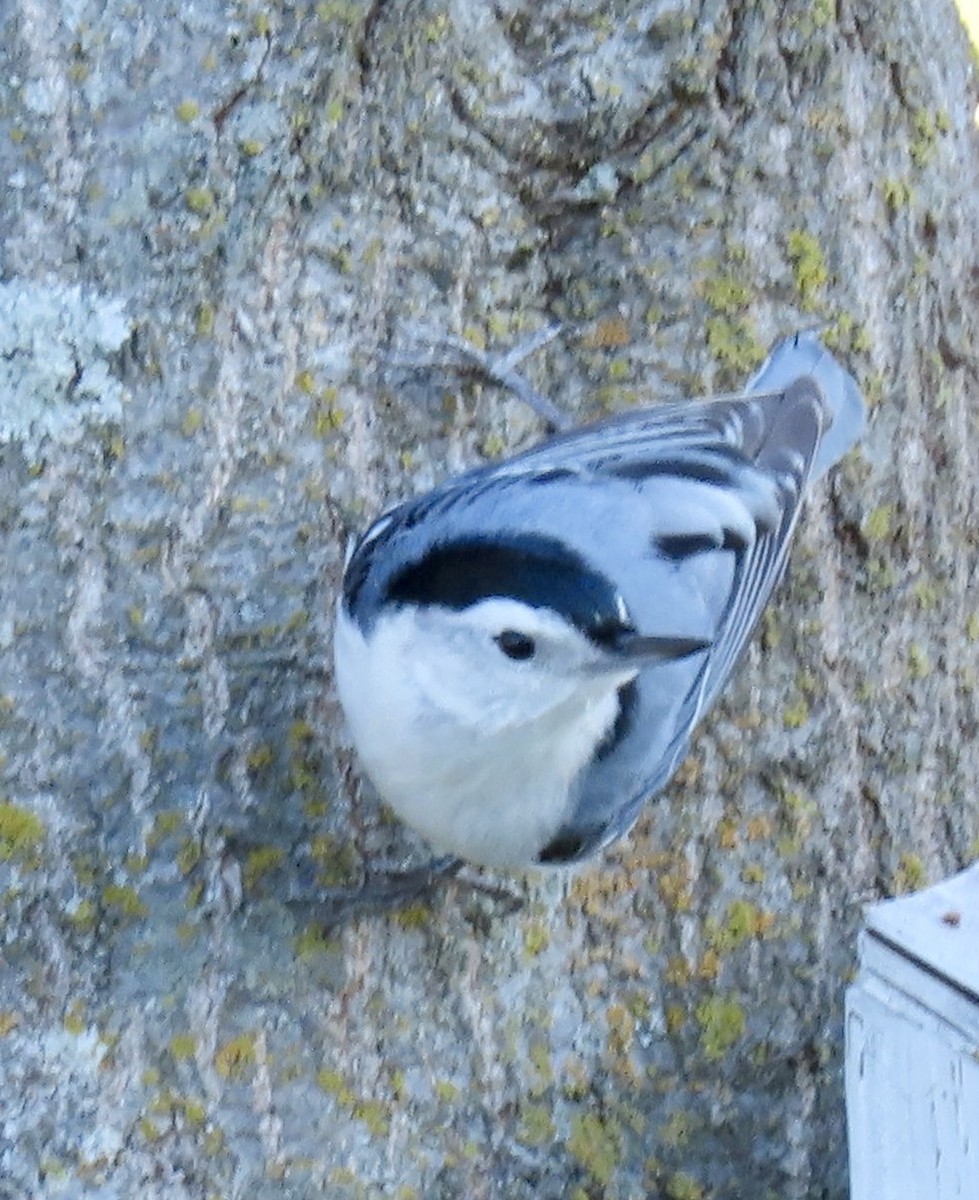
803,354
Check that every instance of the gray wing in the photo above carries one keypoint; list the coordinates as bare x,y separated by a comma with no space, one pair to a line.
731,577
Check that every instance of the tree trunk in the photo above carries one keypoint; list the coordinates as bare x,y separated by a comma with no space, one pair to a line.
215,224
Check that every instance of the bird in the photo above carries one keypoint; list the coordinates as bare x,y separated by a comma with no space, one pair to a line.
523,653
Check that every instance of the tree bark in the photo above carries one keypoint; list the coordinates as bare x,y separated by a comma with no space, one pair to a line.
215,225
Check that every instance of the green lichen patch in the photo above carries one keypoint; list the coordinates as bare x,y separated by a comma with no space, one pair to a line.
796,714
235,1059
21,834
919,664
733,344
878,523
314,941
536,1128
681,1186
125,901
910,874
925,129
722,1023
809,268
597,1145
187,111
897,195
537,936
375,1114
727,295
742,921
260,862
336,862
183,1046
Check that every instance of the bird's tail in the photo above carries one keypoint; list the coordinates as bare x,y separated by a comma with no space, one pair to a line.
803,354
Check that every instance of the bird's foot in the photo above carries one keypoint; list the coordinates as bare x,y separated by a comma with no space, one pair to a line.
383,894
428,352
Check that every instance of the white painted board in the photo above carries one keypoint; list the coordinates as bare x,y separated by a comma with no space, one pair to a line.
912,1047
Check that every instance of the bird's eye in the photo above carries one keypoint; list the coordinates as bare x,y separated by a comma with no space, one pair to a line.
515,645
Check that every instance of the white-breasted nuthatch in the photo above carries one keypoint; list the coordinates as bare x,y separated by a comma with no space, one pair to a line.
523,653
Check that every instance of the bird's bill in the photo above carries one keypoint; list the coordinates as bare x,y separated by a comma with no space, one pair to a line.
644,649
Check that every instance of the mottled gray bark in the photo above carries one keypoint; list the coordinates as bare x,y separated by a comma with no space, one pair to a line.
250,201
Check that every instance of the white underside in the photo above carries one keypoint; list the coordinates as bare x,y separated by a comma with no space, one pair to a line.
496,798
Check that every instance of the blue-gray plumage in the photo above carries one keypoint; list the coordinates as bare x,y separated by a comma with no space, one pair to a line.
523,653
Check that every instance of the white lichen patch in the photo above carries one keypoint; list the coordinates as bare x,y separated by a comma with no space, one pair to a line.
56,341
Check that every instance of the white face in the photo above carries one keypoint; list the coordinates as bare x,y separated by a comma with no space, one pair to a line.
474,723
499,664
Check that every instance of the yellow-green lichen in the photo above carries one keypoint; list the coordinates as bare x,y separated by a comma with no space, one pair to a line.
709,966
21,834
84,915
722,1023
677,1130
336,861
204,320
878,523
727,295
306,382
260,862
188,855
183,1046
808,266
176,1107
193,420
733,344
927,594
674,887
910,875
796,714
187,111
493,445
536,1127
597,1145
926,127
375,1114
676,1017
200,200
124,900
236,1057
677,972
919,664
758,828
536,937
313,941
621,1027
681,1186
328,416
260,758
742,920
414,916
897,195
74,1019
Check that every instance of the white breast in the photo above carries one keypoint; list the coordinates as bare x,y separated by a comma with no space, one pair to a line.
493,796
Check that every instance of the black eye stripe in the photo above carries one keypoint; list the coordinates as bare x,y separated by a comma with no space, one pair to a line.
517,646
